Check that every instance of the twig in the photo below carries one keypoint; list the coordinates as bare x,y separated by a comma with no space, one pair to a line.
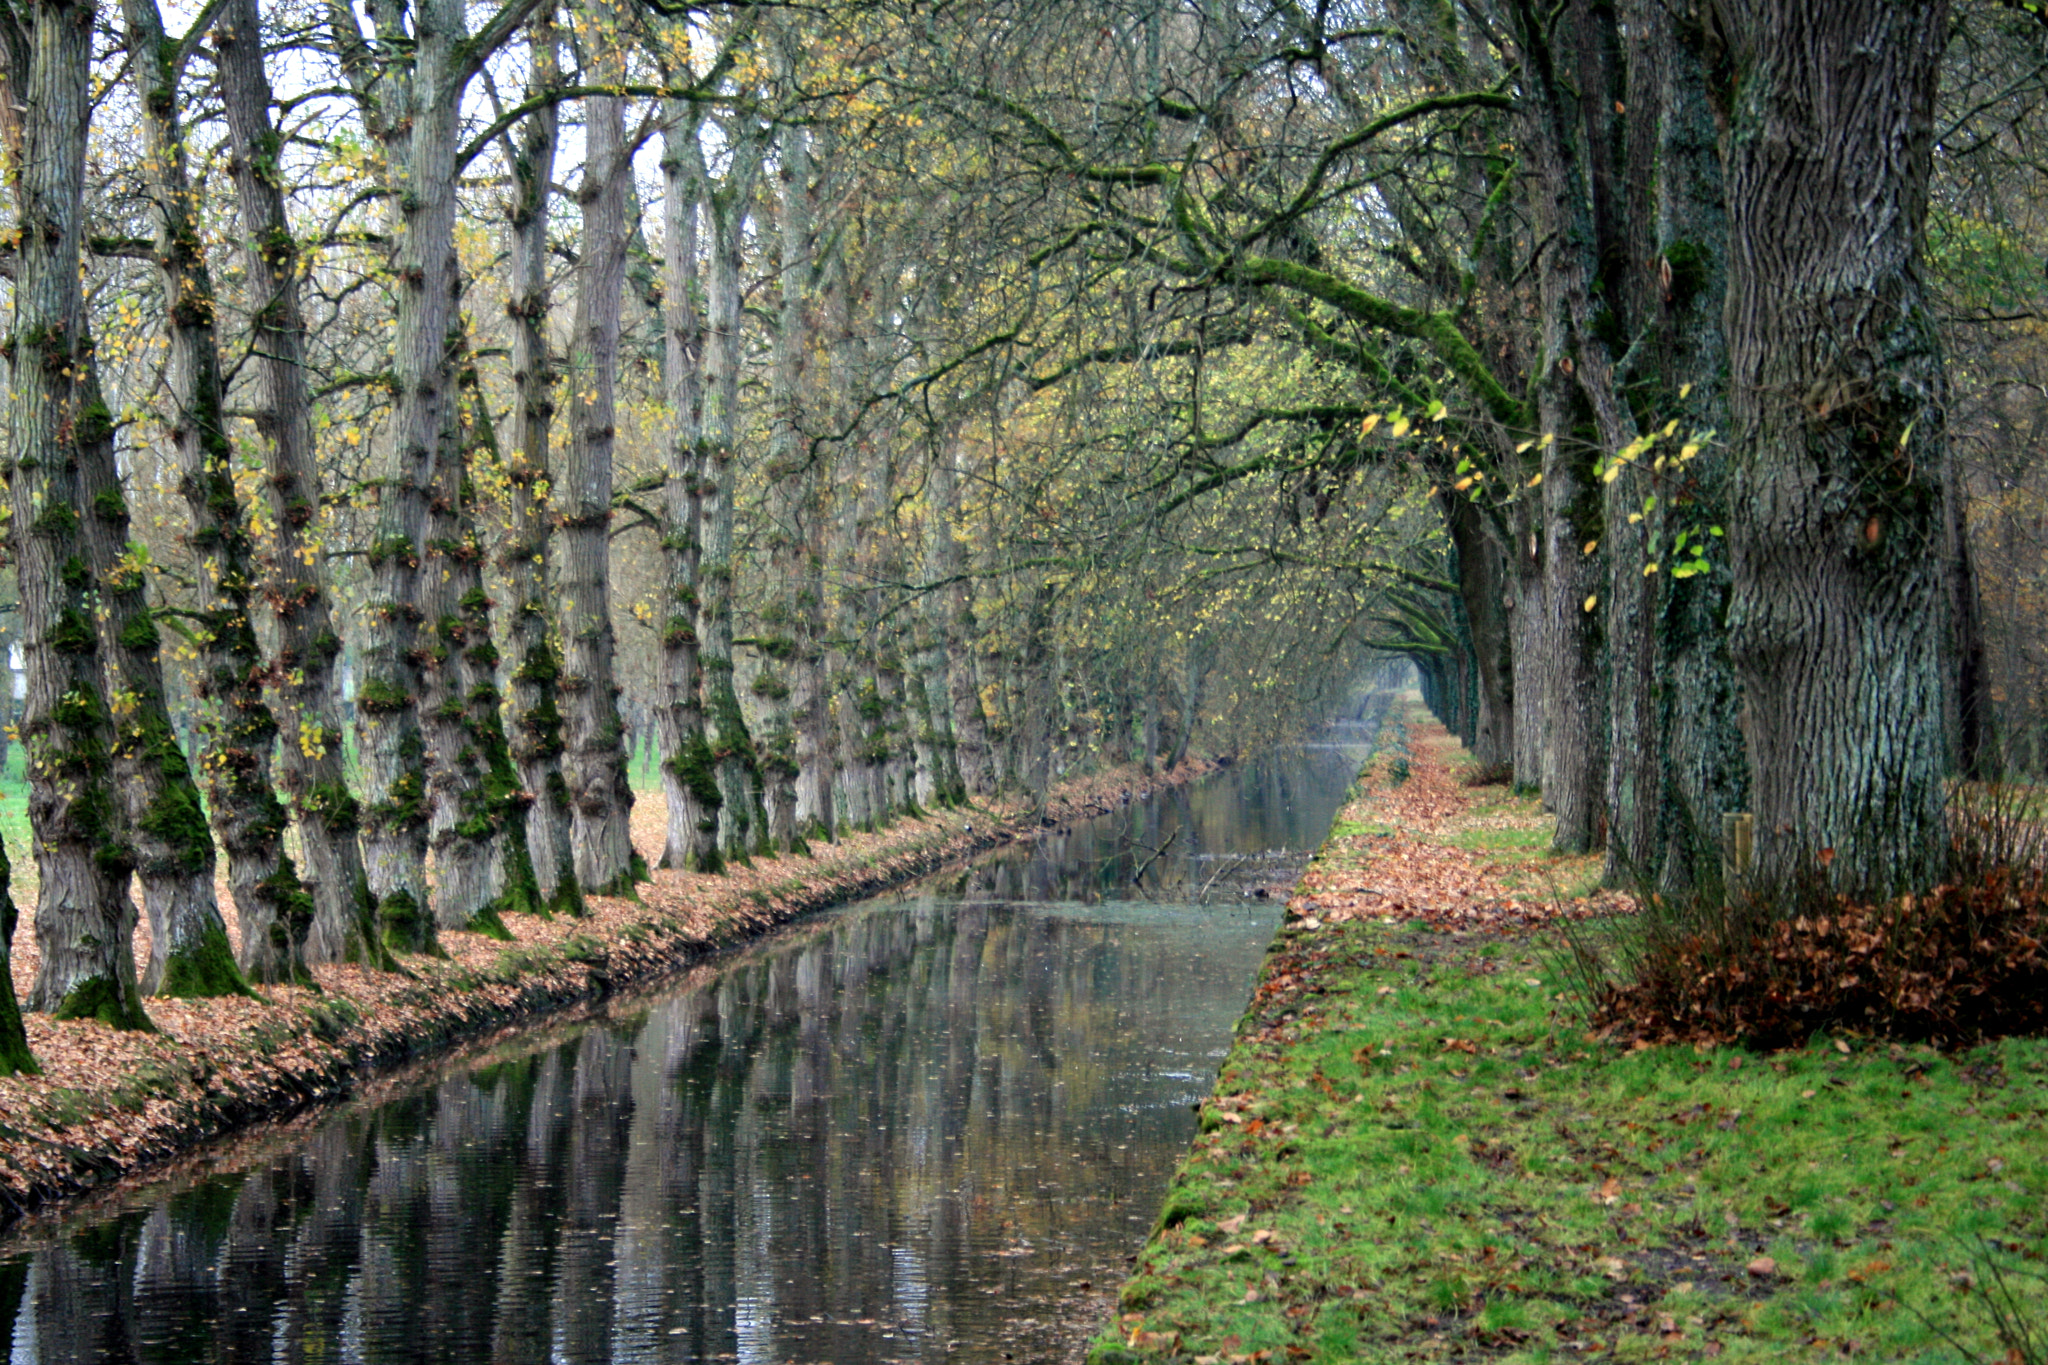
1157,854
1203,894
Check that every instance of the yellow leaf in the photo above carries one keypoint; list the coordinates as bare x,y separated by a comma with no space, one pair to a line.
1592,602
1371,421
1591,546
1400,426
1649,569
1464,483
1537,479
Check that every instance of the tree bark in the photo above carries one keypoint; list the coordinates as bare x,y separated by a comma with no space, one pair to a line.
536,730
688,773
165,824
1483,589
300,674
84,920
594,763
1839,510
742,824
953,624
1705,770
407,93
784,639
15,1057
1527,632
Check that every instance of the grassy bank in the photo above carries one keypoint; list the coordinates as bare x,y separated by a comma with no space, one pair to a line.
1416,1152
111,1104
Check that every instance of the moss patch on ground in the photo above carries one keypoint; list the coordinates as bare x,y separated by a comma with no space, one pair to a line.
1416,1152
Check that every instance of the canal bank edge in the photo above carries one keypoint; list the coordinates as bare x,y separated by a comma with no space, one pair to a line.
1415,1151
119,1105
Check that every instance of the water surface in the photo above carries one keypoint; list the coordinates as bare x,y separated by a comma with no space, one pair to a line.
930,1126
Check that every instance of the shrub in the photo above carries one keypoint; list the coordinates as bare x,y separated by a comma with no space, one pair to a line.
1771,964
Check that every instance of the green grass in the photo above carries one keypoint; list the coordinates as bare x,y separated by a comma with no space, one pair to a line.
1431,1160
1529,840
1345,829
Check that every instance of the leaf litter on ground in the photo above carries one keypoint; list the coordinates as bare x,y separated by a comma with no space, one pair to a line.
1417,1151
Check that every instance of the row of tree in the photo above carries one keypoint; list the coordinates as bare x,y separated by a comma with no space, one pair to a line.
997,385
1658,300
280,282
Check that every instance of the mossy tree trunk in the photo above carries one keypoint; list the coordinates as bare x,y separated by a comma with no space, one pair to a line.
781,637
166,828
1705,770
274,910
84,920
957,627
742,823
293,590
536,730
408,81
594,760
688,774
504,801
15,1058
464,823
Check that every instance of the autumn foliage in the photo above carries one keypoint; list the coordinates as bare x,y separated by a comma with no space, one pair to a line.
1773,965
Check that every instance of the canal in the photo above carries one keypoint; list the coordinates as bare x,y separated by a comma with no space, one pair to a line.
929,1126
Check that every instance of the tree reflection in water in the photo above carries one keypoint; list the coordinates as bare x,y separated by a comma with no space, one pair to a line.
905,1130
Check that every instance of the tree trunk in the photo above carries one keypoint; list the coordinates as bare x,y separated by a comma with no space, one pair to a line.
742,824
1527,632
84,920
951,616
301,671
165,825
15,1058
471,812
1839,510
1483,589
275,911
600,797
409,101
688,773
536,730
1705,771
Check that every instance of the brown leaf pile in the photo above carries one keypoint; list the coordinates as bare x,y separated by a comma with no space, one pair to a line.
1962,963
110,1103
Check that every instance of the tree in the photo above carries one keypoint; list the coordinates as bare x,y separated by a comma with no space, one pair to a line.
275,911
523,555
1838,620
293,590
84,920
594,765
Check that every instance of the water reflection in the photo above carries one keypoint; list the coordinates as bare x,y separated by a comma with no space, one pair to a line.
906,1130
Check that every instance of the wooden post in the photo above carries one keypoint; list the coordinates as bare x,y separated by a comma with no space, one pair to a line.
1738,846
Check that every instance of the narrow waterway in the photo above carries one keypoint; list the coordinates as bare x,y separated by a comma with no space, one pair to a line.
930,1126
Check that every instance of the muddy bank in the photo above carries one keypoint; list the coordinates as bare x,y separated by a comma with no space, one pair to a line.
111,1105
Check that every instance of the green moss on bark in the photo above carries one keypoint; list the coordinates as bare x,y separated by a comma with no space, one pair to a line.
15,1057
203,969
107,1001
568,897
